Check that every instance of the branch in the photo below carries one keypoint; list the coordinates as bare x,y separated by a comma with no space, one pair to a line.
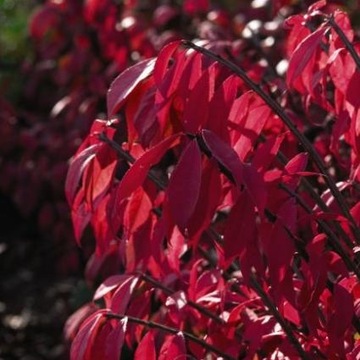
196,306
283,323
319,201
344,39
267,301
278,110
170,330
282,158
126,156
333,239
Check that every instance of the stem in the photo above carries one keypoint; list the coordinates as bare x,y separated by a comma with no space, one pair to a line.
278,110
170,330
316,197
267,301
287,329
332,236
344,39
333,239
126,156
320,202
189,302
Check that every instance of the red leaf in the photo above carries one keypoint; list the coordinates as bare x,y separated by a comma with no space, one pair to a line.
137,229
140,112
184,185
206,286
102,229
191,74
297,164
353,89
225,155
169,81
136,175
294,169
255,185
243,175
101,265
303,53
76,169
241,235
145,121
81,346
146,348
248,121
220,105
316,6
77,318
100,173
115,341
340,319
194,275
196,110
80,215
162,61
208,201
341,69
97,348
126,82
173,348
343,21
290,313
110,284
266,153
279,245
340,127
254,329
122,295
115,282
355,213
105,340
137,211
176,247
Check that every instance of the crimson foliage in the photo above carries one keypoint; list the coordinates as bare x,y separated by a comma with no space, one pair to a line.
78,48
223,196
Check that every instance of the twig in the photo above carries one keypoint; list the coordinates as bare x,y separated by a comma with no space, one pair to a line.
344,39
334,241
126,156
278,110
283,323
267,301
196,306
170,330
317,198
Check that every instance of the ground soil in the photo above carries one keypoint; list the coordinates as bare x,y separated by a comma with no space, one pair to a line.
35,300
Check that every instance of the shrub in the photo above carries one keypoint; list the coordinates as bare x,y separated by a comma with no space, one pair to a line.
222,185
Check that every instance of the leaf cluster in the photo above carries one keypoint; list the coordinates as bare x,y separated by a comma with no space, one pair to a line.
223,196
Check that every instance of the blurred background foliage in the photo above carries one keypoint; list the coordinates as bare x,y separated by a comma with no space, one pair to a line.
14,44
